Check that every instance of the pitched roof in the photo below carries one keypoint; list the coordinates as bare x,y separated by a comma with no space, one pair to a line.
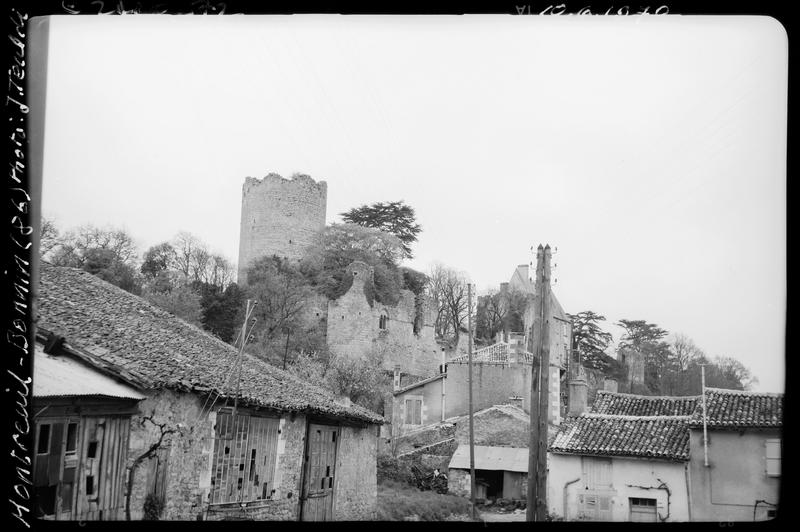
491,458
419,383
158,350
63,376
624,404
739,409
664,437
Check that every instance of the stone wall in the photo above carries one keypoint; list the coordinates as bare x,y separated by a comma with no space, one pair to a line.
495,428
189,465
279,217
188,454
356,491
458,482
353,328
493,384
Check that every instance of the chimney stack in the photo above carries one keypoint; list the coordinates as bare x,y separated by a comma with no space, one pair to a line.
577,395
396,378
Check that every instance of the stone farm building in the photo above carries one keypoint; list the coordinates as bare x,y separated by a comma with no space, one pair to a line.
288,451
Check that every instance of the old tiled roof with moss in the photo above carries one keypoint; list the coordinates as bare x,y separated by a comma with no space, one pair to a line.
156,349
738,409
662,437
624,404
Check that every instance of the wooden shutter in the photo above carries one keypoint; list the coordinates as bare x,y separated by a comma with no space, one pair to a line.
773,457
597,473
245,453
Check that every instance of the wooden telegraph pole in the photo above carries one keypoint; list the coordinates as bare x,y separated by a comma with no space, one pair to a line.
539,345
471,427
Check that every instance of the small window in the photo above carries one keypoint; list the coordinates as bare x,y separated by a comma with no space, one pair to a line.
72,438
89,485
413,411
773,456
43,447
383,321
91,452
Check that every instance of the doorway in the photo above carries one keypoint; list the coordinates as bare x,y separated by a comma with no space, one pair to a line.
319,473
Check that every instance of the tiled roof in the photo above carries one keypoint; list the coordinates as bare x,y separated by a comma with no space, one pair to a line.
419,383
737,409
158,350
623,404
664,437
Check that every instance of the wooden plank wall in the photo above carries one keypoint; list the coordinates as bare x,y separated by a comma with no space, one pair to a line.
245,448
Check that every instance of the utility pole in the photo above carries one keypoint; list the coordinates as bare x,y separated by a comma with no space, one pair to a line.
286,352
471,426
539,343
245,338
705,428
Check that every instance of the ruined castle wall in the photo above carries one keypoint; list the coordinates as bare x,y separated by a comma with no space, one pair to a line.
279,217
353,329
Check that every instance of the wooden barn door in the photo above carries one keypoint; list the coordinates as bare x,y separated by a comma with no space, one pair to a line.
102,469
319,474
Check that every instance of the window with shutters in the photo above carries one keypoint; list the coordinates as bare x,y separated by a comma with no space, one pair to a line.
413,410
773,457
596,472
643,510
245,453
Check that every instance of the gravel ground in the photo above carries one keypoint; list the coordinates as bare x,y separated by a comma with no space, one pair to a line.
497,517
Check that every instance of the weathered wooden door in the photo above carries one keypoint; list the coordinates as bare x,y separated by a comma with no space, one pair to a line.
319,474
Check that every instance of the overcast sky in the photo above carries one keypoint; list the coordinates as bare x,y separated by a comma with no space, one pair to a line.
650,150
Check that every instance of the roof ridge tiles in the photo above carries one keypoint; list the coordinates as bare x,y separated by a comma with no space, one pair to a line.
597,415
640,396
742,392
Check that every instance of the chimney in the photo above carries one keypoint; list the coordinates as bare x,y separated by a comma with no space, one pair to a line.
577,395
610,384
396,378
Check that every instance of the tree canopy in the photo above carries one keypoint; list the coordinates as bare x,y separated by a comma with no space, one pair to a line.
393,217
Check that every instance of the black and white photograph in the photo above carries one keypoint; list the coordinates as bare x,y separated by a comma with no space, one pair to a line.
478,268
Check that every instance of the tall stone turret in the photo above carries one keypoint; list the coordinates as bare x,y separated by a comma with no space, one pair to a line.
279,217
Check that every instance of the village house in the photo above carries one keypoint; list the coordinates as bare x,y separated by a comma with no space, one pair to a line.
624,460
636,458
239,438
499,376
740,480
82,420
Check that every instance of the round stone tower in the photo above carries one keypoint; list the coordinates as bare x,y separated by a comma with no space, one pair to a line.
279,217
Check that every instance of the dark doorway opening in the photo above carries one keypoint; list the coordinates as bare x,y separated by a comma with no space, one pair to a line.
492,481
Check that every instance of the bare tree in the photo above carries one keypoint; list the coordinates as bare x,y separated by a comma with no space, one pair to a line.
164,431
187,247
49,237
449,291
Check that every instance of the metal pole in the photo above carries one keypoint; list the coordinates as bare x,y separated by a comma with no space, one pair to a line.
471,426
705,432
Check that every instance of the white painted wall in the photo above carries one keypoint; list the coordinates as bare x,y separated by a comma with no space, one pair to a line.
625,472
